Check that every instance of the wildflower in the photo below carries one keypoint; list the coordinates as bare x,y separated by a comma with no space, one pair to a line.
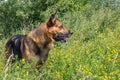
71,55
76,69
58,75
77,60
89,73
23,61
109,59
80,79
17,67
25,75
115,51
106,78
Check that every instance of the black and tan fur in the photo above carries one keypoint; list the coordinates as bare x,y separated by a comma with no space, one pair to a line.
37,43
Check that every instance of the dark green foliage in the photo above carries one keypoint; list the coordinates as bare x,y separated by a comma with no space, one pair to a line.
18,14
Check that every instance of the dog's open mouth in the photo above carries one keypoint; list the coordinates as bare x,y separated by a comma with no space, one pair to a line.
62,37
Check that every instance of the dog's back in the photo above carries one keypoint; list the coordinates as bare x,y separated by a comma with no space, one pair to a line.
13,46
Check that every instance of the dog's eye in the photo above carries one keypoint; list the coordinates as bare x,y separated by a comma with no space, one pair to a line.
61,26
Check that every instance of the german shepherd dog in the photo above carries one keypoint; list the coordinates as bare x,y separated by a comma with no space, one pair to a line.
37,43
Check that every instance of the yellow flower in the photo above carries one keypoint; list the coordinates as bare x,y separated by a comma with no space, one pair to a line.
115,51
17,67
106,78
109,59
76,69
89,73
23,61
80,79
58,75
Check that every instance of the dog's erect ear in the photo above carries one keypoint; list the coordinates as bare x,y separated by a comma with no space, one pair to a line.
52,20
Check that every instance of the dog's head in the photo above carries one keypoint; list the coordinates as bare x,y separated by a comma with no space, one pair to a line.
56,28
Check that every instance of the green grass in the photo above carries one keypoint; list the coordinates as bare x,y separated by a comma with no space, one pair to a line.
91,53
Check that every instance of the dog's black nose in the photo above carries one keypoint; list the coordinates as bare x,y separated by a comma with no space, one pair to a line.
70,32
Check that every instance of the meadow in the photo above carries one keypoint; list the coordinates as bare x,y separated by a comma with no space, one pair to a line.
91,53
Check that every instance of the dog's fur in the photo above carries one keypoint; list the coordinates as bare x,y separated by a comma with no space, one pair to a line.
38,42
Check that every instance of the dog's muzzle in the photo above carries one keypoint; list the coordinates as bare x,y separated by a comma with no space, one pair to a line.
62,37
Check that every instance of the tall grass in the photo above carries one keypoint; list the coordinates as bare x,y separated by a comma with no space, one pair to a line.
91,53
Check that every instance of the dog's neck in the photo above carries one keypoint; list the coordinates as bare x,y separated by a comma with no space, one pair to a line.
44,38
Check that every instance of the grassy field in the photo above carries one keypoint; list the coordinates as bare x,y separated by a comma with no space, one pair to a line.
91,53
